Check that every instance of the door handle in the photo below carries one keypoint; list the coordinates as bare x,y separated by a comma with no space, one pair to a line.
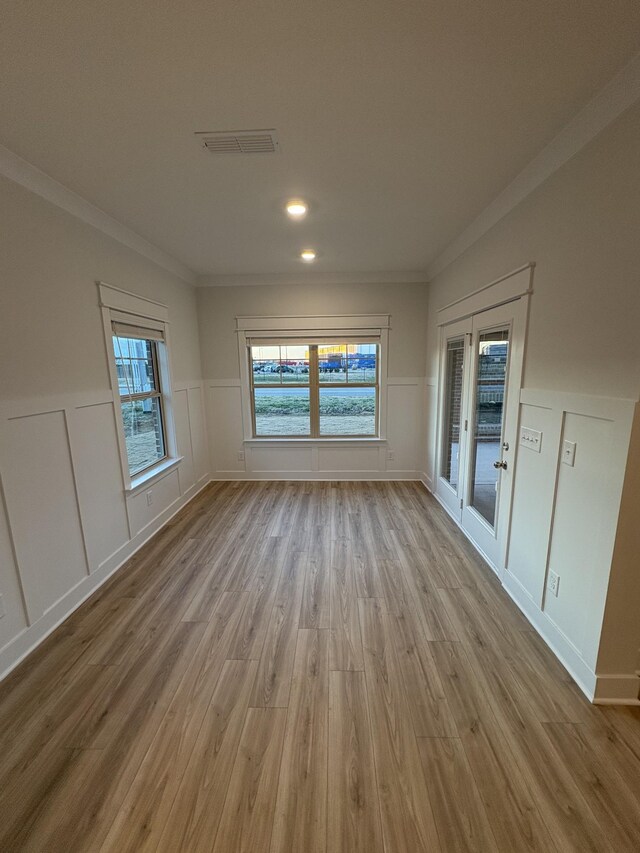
500,464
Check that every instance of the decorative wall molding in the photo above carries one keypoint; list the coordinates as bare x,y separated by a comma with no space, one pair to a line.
36,181
315,278
563,649
131,303
14,652
619,94
301,324
94,511
547,515
235,454
507,288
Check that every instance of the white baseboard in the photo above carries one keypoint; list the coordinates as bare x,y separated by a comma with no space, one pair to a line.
30,638
315,475
562,648
617,690
600,689
427,482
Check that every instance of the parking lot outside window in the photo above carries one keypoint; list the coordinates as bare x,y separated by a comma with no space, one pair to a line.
315,390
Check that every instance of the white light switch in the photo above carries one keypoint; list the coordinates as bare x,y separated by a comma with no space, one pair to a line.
531,438
569,452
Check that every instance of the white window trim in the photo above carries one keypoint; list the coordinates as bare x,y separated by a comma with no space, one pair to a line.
376,325
121,306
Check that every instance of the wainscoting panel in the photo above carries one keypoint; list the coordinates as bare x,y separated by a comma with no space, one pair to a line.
145,505
94,444
532,510
15,616
224,420
67,517
198,431
42,507
183,437
276,459
564,521
395,457
583,534
345,458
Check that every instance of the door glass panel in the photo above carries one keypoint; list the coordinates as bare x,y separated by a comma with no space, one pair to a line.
493,355
452,405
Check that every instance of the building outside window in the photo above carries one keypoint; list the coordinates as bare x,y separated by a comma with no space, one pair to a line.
137,366
315,390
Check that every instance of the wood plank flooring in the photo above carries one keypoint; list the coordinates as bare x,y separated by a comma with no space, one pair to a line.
314,668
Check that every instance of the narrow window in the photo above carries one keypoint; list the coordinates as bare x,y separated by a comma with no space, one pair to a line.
137,365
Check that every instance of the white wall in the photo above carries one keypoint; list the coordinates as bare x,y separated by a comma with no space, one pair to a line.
64,521
218,308
581,381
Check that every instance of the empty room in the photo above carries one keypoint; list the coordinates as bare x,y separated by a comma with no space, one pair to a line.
320,426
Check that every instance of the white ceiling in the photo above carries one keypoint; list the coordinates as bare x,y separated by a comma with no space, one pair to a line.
399,120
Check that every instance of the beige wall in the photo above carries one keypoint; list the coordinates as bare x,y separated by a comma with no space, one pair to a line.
52,339
64,520
233,458
581,229
218,308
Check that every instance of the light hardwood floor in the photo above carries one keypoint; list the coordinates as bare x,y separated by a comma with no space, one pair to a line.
309,667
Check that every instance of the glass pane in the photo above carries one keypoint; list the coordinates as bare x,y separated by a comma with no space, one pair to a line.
280,365
135,365
361,363
493,355
332,362
282,411
347,411
143,433
452,405
294,364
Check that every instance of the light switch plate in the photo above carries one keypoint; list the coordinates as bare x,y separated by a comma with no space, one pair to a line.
569,453
531,438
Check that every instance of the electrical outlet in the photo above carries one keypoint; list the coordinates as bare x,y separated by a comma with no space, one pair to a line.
391,456
553,584
149,498
2,610
241,456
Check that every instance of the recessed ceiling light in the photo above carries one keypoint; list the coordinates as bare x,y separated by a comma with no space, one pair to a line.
296,208
308,256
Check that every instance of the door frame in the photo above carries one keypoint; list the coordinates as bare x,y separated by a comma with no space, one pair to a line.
515,286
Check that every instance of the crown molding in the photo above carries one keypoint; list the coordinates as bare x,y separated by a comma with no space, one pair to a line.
36,181
319,278
610,102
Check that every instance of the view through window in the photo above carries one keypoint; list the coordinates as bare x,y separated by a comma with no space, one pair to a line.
315,390
140,400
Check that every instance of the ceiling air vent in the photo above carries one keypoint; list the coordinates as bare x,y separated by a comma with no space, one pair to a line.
240,141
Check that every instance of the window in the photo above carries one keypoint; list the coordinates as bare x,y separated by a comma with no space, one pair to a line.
314,390
137,359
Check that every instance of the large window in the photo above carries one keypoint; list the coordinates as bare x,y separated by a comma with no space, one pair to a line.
315,390
137,365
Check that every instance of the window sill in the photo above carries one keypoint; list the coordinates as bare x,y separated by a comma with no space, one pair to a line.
147,478
325,440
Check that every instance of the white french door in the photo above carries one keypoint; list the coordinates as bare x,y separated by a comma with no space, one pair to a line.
455,354
481,372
